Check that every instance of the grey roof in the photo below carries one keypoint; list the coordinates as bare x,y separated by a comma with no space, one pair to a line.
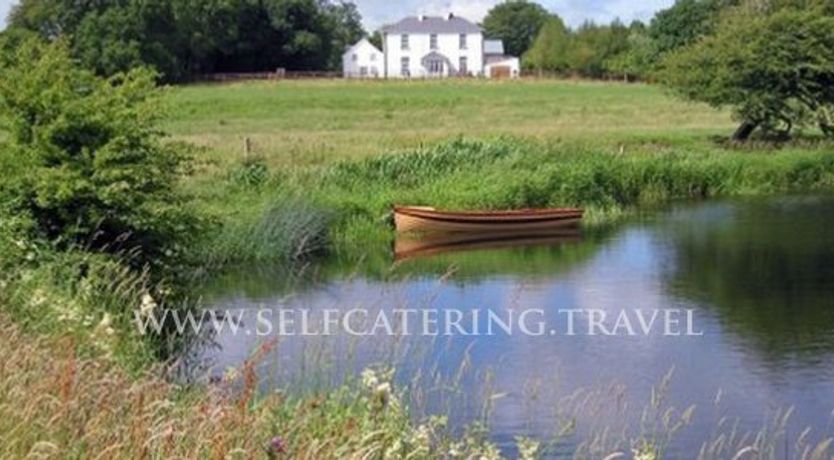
432,25
493,47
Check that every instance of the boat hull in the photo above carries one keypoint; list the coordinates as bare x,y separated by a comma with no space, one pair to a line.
414,219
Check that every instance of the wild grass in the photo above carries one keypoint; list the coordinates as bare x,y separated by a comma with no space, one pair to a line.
55,403
509,173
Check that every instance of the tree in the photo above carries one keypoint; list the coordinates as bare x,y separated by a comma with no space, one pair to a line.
637,60
593,46
376,39
684,22
184,38
347,30
516,23
774,69
550,48
92,170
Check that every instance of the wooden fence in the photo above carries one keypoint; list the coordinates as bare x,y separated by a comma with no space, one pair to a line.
280,74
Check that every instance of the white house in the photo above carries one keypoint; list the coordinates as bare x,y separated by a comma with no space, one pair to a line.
362,60
432,46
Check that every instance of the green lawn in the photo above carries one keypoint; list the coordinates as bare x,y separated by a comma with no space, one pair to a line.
314,122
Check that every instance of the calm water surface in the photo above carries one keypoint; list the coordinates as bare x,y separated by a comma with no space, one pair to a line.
759,276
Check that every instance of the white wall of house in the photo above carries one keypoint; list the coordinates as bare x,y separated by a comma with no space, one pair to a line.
419,46
363,60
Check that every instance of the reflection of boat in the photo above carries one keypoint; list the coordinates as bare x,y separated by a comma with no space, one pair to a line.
406,247
425,219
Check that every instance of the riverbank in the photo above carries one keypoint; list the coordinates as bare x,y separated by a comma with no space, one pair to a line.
282,215
57,403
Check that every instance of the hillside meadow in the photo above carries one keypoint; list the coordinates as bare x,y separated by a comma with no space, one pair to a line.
308,122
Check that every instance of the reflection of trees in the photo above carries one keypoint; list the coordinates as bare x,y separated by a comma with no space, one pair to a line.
768,272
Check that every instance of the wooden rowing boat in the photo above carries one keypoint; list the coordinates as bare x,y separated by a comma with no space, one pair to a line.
409,246
425,219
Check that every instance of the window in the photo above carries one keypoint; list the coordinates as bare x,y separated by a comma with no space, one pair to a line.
463,66
462,41
404,67
435,66
404,41
354,57
373,57
433,41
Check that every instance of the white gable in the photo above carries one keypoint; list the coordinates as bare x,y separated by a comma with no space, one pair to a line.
363,60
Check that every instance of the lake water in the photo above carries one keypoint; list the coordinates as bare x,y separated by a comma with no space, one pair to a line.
757,276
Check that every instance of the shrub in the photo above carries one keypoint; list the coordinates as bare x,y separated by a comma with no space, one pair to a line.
87,161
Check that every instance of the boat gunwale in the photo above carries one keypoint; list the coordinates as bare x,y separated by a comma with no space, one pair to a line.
531,213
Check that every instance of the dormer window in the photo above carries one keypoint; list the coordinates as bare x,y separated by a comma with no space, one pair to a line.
462,41
433,41
404,41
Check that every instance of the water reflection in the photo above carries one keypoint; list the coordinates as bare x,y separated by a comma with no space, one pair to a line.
411,246
767,270
757,274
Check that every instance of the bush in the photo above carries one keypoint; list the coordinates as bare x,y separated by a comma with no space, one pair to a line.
86,160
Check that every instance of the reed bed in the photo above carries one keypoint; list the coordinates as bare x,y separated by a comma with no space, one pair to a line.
357,196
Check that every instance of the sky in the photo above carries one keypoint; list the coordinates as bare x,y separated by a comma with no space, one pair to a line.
574,12
378,12
5,6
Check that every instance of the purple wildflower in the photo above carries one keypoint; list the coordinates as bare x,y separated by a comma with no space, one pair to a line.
277,445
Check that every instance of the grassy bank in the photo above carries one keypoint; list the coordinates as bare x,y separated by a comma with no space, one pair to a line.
347,205
55,403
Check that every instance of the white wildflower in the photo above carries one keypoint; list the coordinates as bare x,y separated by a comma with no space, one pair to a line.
528,449
106,321
490,452
38,298
383,389
148,305
369,379
421,438
456,450
644,451
395,450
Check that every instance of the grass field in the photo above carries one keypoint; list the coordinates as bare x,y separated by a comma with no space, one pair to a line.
314,122
332,157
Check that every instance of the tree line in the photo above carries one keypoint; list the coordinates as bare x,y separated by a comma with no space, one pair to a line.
770,61
185,38
630,51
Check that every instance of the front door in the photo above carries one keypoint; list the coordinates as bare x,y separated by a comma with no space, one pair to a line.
436,67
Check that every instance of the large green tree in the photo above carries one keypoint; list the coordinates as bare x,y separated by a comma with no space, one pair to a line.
183,38
772,64
516,23
551,47
684,22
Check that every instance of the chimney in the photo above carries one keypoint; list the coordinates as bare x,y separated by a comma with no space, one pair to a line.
422,17
450,16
